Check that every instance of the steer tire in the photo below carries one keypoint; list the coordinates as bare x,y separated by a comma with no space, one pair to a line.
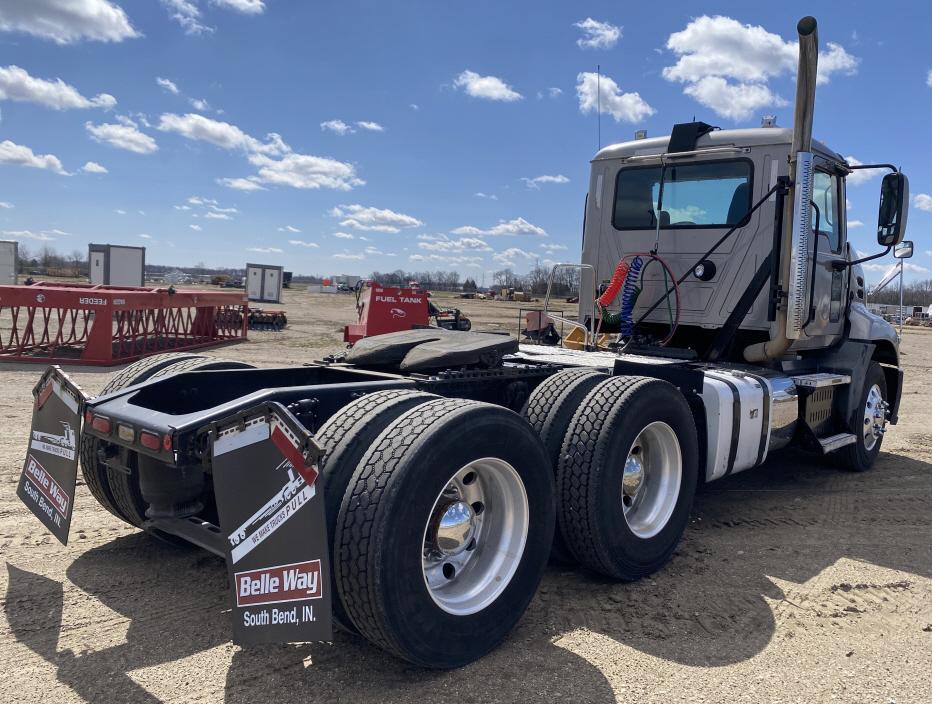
856,457
549,411
390,505
94,471
125,486
345,437
590,509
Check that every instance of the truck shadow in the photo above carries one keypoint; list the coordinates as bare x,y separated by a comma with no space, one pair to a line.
749,558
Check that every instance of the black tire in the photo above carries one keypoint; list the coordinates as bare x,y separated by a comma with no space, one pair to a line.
857,457
380,530
549,411
95,472
590,471
346,436
124,487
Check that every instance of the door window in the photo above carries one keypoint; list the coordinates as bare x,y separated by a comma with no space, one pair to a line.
825,197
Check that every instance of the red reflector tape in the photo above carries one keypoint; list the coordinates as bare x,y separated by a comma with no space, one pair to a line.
101,424
150,440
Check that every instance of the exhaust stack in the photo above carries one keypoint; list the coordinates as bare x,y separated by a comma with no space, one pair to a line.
797,240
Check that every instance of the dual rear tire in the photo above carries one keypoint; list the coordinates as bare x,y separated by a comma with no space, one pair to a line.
625,454
443,527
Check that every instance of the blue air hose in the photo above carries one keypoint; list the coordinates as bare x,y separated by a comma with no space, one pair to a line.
629,295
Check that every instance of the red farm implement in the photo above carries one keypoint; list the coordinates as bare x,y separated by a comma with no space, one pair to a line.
107,325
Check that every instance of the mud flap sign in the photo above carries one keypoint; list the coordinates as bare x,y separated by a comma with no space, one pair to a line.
50,471
270,501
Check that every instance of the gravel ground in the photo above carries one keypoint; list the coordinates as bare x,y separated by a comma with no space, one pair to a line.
794,583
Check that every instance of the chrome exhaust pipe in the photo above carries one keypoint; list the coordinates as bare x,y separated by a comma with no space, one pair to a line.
796,238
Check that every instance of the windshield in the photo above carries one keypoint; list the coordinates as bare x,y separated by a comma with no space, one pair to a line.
709,194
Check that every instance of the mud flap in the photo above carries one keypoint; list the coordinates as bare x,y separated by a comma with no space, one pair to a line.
270,502
51,467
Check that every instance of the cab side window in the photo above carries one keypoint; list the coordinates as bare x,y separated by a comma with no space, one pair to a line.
825,196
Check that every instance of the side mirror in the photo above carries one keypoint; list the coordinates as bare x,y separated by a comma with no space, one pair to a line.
891,220
904,250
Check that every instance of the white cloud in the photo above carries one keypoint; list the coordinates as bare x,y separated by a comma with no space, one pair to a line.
65,22
336,126
92,167
145,237
12,153
289,228
726,65
486,87
17,84
551,247
552,92
518,226
414,106
125,135
490,196
923,201
247,7
43,236
241,184
463,244
348,256
198,104
213,215
370,126
628,107
5,205
306,171
597,35
221,134
736,101
343,235
510,256
855,223
929,78
467,261
362,217
859,176
196,228
302,243
907,266
292,169
120,211
187,14
168,85
534,183
265,250
375,251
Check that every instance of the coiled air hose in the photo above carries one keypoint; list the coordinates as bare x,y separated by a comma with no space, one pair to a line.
628,279
629,296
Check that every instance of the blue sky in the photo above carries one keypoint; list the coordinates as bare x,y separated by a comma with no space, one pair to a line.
360,136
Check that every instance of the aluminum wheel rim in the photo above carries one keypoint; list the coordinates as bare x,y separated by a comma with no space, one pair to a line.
653,472
875,417
475,536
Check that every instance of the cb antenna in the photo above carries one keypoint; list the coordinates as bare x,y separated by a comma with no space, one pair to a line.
598,91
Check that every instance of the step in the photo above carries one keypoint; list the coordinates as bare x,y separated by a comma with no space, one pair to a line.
820,380
834,442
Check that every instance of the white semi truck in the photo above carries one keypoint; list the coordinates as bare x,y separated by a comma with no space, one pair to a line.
723,318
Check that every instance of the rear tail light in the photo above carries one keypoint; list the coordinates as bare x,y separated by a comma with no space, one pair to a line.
167,442
150,441
101,424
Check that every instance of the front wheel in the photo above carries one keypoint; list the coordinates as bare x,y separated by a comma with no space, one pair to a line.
444,532
868,424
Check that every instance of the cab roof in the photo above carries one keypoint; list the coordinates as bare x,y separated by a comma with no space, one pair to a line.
752,137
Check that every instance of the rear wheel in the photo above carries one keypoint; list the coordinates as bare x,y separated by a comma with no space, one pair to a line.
627,475
124,483
444,532
868,423
92,469
549,411
346,436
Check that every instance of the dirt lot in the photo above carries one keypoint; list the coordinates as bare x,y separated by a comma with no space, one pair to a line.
794,583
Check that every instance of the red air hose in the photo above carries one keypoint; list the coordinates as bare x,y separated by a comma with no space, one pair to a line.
614,286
